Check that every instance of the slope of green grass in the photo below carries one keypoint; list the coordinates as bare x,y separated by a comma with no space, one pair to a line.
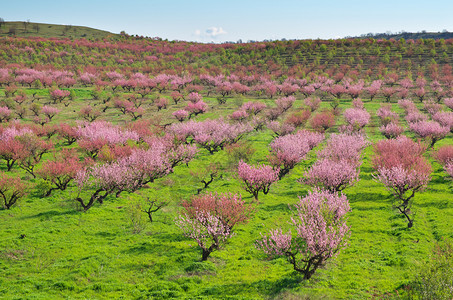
30,29
50,250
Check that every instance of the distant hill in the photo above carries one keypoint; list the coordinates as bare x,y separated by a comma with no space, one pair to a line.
408,35
27,29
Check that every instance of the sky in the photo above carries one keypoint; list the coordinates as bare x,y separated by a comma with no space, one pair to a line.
233,20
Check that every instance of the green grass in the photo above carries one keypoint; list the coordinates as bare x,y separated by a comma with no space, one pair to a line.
50,250
30,29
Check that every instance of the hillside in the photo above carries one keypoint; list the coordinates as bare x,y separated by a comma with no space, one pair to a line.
367,58
30,29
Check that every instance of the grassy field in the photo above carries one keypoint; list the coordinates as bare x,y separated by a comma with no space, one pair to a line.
30,29
50,250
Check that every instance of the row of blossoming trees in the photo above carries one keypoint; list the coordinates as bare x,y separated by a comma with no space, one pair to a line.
391,86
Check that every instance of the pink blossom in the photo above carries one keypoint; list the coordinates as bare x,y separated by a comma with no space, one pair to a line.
180,82
354,90
420,82
106,131
58,95
276,244
5,113
162,103
391,130
258,178
449,103
420,93
406,83
388,92
268,87
400,180
449,168
181,115
332,175
212,135
313,103
321,232
444,118
374,88
280,129
358,103
357,118
112,76
240,88
403,170
337,90
194,97
253,107
415,116
386,115
209,219
224,88
11,132
196,108
407,105
308,90
239,115
430,130
291,149
344,147
206,229
431,107
5,77
285,103
87,78
50,111
444,154
132,172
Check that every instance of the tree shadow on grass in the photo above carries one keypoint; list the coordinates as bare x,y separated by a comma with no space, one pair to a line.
278,207
440,179
369,201
293,193
264,287
107,235
440,204
170,237
174,254
368,170
364,176
52,213
147,248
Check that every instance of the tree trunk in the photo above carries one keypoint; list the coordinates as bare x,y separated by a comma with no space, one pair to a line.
205,254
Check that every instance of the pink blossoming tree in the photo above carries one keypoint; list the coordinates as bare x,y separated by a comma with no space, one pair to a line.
403,170
331,175
391,130
257,179
209,219
12,188
321,232
289,150
430,130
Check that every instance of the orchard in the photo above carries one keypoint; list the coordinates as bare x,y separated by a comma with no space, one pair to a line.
140,168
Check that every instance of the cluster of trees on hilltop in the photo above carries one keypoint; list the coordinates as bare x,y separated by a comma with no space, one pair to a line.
408,35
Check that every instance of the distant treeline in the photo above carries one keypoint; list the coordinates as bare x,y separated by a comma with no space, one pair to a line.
408,35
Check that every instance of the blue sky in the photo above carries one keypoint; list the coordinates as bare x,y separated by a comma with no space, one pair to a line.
231,20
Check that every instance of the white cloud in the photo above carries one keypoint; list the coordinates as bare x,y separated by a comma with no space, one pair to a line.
209,34
213,32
